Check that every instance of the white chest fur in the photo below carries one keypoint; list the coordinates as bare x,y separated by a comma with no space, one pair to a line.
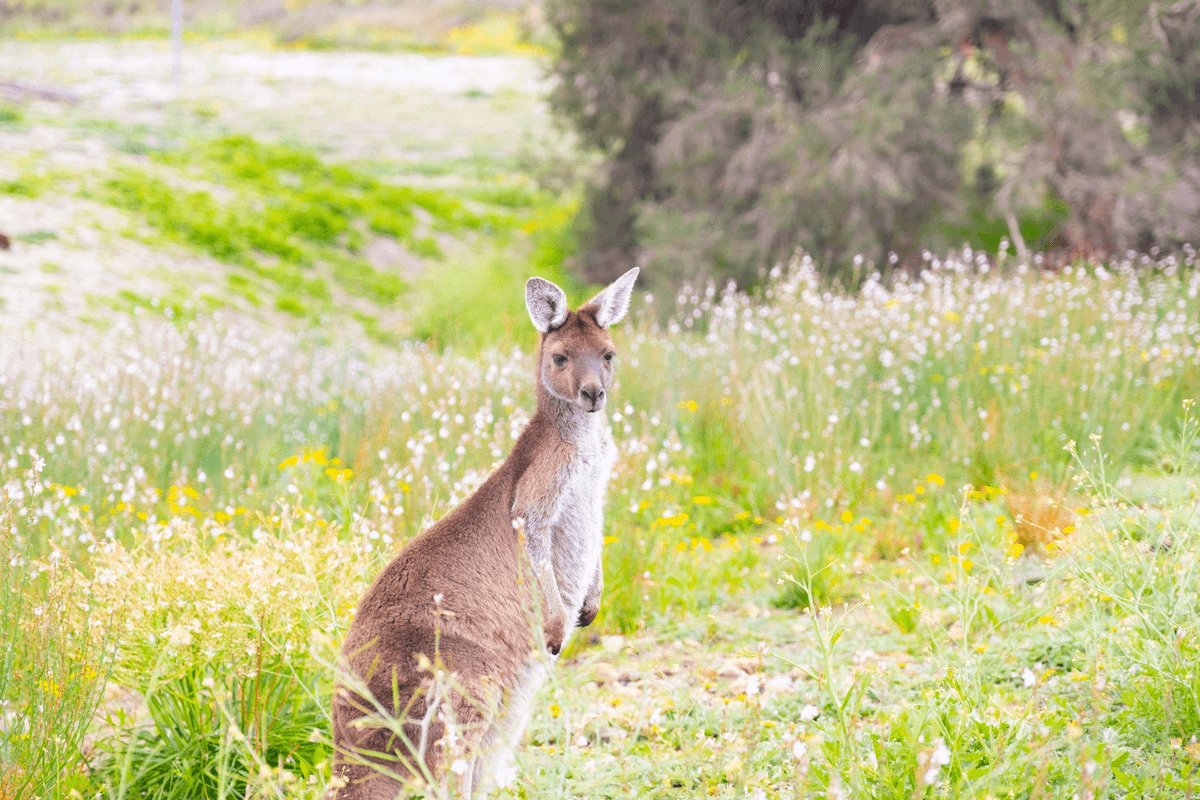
577,530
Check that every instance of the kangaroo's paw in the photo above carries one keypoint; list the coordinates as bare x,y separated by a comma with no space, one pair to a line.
587,614
556,633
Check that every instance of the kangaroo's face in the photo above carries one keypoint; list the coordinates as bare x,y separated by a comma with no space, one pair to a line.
576,357
577,361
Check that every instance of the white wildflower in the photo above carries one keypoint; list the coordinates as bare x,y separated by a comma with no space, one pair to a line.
505,775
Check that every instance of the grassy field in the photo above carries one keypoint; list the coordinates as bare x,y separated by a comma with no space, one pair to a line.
934,539
469,27
937,540
302,189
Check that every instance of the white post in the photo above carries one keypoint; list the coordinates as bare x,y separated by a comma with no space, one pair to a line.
177,44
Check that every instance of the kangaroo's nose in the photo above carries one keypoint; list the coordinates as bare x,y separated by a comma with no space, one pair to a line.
592,394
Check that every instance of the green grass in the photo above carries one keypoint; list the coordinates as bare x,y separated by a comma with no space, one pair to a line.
24,186
443,28
291,213
226,726
296,228
471,306
52,671
36,237
852,547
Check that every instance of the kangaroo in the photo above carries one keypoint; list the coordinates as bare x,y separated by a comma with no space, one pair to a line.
461,594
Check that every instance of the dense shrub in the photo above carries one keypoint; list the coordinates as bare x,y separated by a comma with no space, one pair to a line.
736,132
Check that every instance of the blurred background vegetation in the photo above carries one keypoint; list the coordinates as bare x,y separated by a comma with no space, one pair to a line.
474,27
261,324
728,134
736,131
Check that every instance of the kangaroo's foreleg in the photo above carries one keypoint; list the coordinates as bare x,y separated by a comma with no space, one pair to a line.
591,601
554,611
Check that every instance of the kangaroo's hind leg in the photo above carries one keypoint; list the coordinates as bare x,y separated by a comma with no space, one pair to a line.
495,765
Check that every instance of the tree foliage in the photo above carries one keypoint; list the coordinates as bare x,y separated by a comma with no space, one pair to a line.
737,130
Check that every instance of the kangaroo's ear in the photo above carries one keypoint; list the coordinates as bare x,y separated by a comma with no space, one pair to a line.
610,305
547,304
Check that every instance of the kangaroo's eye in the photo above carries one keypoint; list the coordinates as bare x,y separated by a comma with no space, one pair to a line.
608,357
559,360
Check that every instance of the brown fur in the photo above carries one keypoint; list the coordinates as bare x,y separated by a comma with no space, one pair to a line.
475,562
486,638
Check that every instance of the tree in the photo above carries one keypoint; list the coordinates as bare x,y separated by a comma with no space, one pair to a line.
735,132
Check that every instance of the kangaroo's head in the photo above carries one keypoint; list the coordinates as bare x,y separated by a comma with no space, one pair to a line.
575,359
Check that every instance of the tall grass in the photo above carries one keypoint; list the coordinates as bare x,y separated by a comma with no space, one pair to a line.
228,492
1138,570
1078,683
807,404
978,377
52,670
230,645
